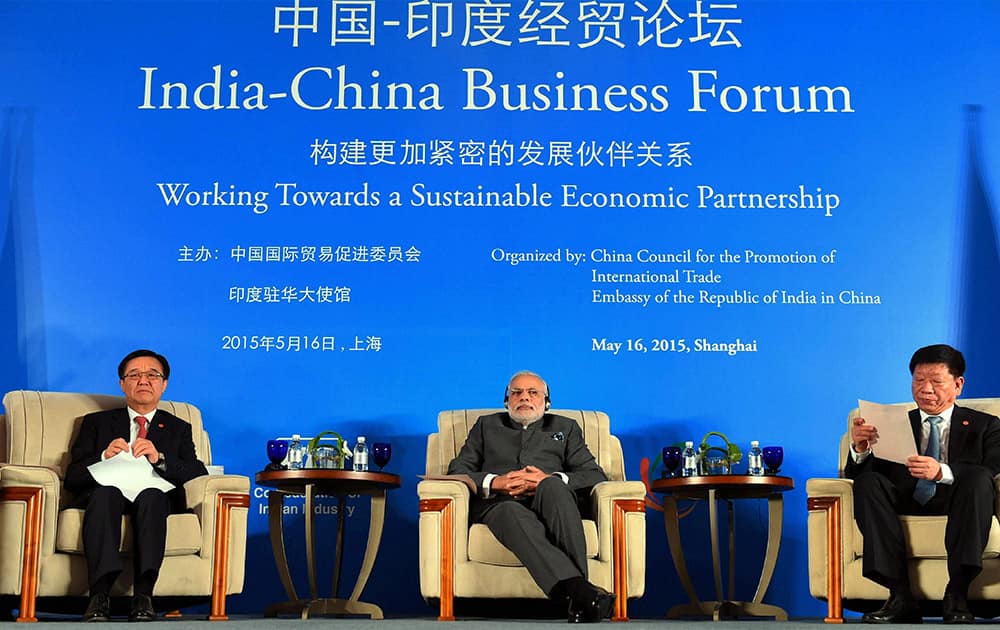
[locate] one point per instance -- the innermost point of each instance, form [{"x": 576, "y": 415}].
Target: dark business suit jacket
[
  {"x": 498, "y": 444},
  {"x": 974, "y": 439},
  {"x": 170, "y": 435},
  {"x": 973, "y": 443}
]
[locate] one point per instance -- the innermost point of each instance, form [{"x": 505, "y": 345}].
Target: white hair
[{"x": 528, "y": 373}]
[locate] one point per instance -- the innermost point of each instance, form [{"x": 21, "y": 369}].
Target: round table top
[
  {"x": 328, "y": 480},
  {"x": 725, "y": 486}
]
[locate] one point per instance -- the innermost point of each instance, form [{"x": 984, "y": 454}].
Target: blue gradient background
[{"x": 89, "y": 265}]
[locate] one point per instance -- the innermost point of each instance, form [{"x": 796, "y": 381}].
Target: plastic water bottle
[
  {"x": 296, "y": 452},
  {"x": 361, "y": 455},
  {"x": 690, "y": 466},
  {"x": 755, "y": 460}
]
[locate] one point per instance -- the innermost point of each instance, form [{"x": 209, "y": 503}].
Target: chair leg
[
  {"x": 446, "y": 611},
  {"x": 32, "y": 497},
  {"x": 224, "y": 505},
  {"x": 619, "y": 539},
  {"x": 834, "y": 555}
]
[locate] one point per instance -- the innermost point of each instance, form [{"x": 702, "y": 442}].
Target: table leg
[
  {"x": 757, "y": 608},
  {"x": 352, "y": 606},
  {"x": 723, "y": 608},
  {"x": 310, "y": 517},
  {"x": 775, "y": 505},
  {"x": 713, "y": 525},
  {"x": 371, "y": 548},
  {"x": 671, "y": 523},
  {"x": 338, "y": 555},
  {"x": 732, "y": 549},
  {"x": 275, "y": 509}
]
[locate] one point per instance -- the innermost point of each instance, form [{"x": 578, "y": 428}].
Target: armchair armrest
[
  {"x": 603, "y": 497},
  {"x": 831, "y": 539},
  {"x": 203, "y": 489},
  {"x": 444, "y": 538},
  {"x": 434, "y": 496},
  {"x": 202, "y": 495},
  {"x": 37, "y": 487},
  {"x": 17, "y": 475},
  {"x": 843, "y": 491},
  {"x": 221, "y": 503},
  {"x": 619, "y": 508}
]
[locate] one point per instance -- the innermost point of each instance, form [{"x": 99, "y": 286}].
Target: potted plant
[
  {"x": 718, "y": 460},
  {"x": 328, "y": 455}
]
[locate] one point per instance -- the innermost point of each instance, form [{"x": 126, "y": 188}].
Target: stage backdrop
[{"x": 351, "y": 215}]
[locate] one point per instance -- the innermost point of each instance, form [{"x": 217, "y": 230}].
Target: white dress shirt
[{"x": 133, "y": 426}]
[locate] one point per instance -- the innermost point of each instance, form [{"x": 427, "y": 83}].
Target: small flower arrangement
[
  {"x": 730, "y": 454},
  {"x": 340, "y": 450}
]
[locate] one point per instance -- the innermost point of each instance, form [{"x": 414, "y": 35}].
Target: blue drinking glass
[
  {"x": 381, "y": 452},
  {"x": 276, "y": 452},
  {"x": 671, "y": 460},
  {"x": 773, "y": 456}
]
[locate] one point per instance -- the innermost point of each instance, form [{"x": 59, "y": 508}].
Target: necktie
[
  {"x": 925, "y": 487},
  {"x": 141, "y": 421}
]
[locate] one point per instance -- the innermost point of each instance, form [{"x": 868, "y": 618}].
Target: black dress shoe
[
  {"x": 897, "y": 609},
  {"x": 98, "y": 608},
  {"x": 575, "y": 616},
  {"x": 597, "y": 606},
  {"x": 142, "y": 609},
  {"x": 955, "y": 609}
]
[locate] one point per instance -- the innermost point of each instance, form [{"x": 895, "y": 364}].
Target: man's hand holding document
[{"x": 885, "y": 425}]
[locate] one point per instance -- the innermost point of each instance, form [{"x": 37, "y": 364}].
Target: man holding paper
[
  {"x": 953, "y": 475},
  {"x": 139, "y": 430}
]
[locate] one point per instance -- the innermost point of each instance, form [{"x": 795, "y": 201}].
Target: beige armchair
[
  {"x": 835, "y": 545},
  {"x": 41, "y": 546},
  {"x": 457, "y": 560}
]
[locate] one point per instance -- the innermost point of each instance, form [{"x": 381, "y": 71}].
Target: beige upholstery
[
  {"x": 39, "y": 429},
  {"x": 459, "y": 561},
  {"x": 925, "y": 541}
]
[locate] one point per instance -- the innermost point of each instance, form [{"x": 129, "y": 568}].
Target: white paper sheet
[
  {"x": 895, "y": 434},
  {"x": 129, "y": 474}
]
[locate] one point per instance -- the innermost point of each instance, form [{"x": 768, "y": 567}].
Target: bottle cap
[
  {"x": 296, "y": 436},
  {"x": 754, "y": 443},
  {"x": 689, "y": 444},
  {"x": 361, "y": 439}
]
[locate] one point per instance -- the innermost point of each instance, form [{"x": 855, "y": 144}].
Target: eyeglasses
[
  {"x": 152, "y": 376},
  {"x": 532, "y": 393}
]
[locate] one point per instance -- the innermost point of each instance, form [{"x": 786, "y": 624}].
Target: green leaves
[
  {"x": 314, "y": 443},
  {"x": 733, "y": 452}
]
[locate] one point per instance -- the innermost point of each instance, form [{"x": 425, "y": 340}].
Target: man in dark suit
[
  {"x": 953, "y": 477},
  {"x": 529, "y": 467},
  {"x": 145, "y": 431}
]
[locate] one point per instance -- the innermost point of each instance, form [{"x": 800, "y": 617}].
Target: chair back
[
  {"x": 40, "y": 426},
  {"x": 454, "y": 427},
  {"x": 986, "y": 405}
]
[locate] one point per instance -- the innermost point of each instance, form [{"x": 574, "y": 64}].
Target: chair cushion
[
  {"x": 183, "y": 533},
  {"x": 925, "y": 537},
  {"x": 485, "y": 548}
]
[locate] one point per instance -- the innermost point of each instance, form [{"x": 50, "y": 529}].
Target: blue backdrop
[{"x": 314, "y": 209}]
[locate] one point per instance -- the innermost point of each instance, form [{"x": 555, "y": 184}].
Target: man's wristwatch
[{"x": 161, "y": 464}]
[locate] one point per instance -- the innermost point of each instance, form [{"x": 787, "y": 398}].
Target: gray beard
[{"x": 525, "y": 420}]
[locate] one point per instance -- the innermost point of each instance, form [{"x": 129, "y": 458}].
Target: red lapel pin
[
  {"x": 161, "y": 424},
  {"x": 965, "y": 423}
]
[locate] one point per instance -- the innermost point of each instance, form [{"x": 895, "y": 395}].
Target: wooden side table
[
  {"x": 729, "y": 488},
  {"x": 310, "y": 482}
]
